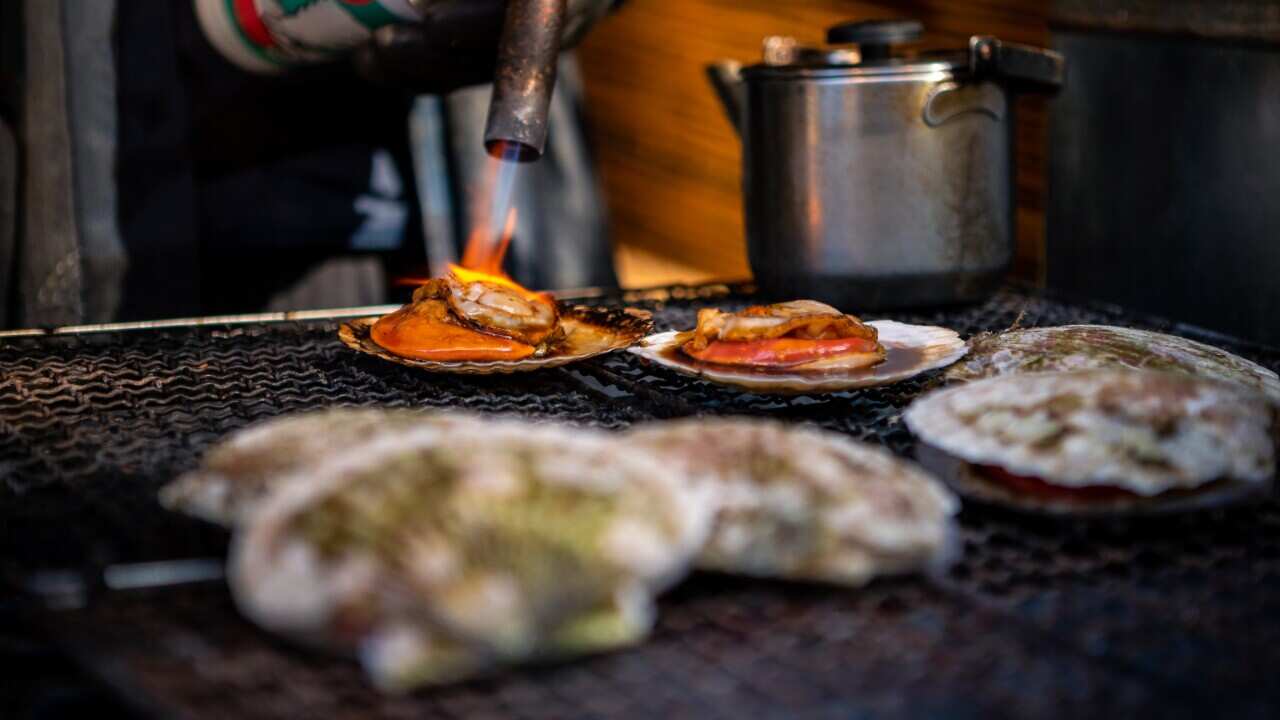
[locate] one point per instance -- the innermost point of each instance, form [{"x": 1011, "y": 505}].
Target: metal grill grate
[{"x": 1053, "y": 618}]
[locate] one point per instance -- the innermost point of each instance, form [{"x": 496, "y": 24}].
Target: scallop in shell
[
  {"x": 1083, "y": 347},
  {"x": 589, "y": 331},
  {"x": 433, "y": 558},
  {"x": 806, "y": 504},
  {"x": 910, "y": 350},
  {"x": 1098, "y": 441}
]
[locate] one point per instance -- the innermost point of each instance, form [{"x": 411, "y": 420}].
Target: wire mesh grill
[{"x": 1044, "y": 617}]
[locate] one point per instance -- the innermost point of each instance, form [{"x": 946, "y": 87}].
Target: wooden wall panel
[{"x": 669, "y": 158}]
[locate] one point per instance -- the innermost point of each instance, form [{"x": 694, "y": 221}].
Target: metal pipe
[{"x": 524, "y": 78}]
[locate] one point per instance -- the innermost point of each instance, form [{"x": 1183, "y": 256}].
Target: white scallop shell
[
  {"x": 478, "y": 574},
  {"x": 239, "y": 472},
  {"x": 805, "y": 504},
  {"x": 1143, "y": 431},
  {"x": 969, "y": 483},
  {"x": 1088, "y": 347},
  {"x": 934, "y": 347}
]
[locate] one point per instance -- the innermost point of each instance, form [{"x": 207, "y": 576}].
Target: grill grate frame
[{"x": 1044, "y": 617}]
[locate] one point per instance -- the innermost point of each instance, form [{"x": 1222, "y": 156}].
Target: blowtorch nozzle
[{"x": 524, "y": 78}]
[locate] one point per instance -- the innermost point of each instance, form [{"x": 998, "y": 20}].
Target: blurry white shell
[
  {"x": 434, "y": 557},
  {"x": 801, "y": 503},
  {"x": 589, "y": 331},
  {"x": 972, "y": 484},
  {"x": 237, "y": 473},
  {"x": 1088, "y": 347},
  {"x": 1142, "y": 431},
  {"x": 910, "y": 350}
]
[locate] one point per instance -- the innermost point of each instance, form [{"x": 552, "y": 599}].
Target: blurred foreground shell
[
  {"x": 911, "y": 350},
  {"x": 1158, "y": 436},
  {"x": 806, "y": 504},
  {"x": 442, "y": 557},
  {"x": 1087, "y": 347},
  {"x": 238, "y": 473},
  {"x": 589, "y": 331}
]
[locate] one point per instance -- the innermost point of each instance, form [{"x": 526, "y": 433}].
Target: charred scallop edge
[
  {"x": 627, "y": 327},
  {"x": 623, "y": 321}
]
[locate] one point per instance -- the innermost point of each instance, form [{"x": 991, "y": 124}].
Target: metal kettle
[{"x": 875, "y": 180}]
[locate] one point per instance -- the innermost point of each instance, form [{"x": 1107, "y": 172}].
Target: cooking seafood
[
  {"x": 1097, "y": 441},
  {"x": 805, "y": 504},
  {"x": 1083, "y": 347},
  {"x": 480, "y": 319},
  {"x": 237, "y": 474},
  {"x": 801, "y": 346},
  {"x": 433, "y": 558},
  {"x": 801, "y": 334},
  {"x": 469, "y": 322}
]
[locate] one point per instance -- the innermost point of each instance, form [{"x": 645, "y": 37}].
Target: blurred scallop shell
[
  {"x": 589, "y": 331},
  {"x": 1086, "y": 347},
  {"x": 971, "y": 484},
  {"x": 435, "y": 557},
  {"x": 236, "y": 474},
  {"x": 1158, "y": 435},
  {"x": 910, "y": 350},
  {"x": 805, "y": 504}
]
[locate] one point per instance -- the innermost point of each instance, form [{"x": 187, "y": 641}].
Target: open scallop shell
[
  {"x": 910, "y": 350},
  {"x": 589, "y": 331},
  {"x": 801, "y": 503},
  {"x": 1176, "y": 442},
  {"x": 1085, "y": 347},
  {"x": 973, "y": 486}
]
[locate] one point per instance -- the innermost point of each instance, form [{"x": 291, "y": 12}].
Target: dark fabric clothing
[{"x": 232, "y": 185}]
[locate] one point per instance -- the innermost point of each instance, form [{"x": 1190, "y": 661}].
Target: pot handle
[{"x": 1022, "y": 66}]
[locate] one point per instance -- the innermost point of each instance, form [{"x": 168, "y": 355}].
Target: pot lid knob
[{"x": 874, "y": 37}]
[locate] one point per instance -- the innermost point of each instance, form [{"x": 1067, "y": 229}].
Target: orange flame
[
  {"x": 468, "y": 276},
  {"x": 483, "y": 256},
  {"x": 482, "y": 261}
]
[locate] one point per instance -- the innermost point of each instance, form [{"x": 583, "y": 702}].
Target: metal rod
[
  {"x": 524, "y": 78},
  {"x": 585, "y": 293}
]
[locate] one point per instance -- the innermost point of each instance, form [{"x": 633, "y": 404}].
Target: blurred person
[{"x": 147, "y": 171}]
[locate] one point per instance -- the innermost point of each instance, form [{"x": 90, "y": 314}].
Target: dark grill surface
[{"x": 1045, "y": 618}]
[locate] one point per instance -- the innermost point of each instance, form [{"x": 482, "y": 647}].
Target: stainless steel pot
[{"x": 872, "y": 180}]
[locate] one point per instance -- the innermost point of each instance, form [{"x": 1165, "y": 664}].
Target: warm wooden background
[{"x": 669, "y": 158}]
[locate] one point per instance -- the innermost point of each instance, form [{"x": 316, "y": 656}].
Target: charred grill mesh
[{"x": 1038, "y": 617}]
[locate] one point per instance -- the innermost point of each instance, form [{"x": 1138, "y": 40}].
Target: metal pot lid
[{"x": 871, "y": 48}]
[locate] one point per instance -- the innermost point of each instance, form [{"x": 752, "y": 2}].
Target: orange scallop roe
[{"x": 416, "y": 336}]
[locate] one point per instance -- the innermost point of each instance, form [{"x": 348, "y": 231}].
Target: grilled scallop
[
  {"x": 804, "y": 504},
  {"x": 1098, "y": 441},
  {"x": 479, "y": 324},
  {"x": 801, "y": 346},
  {"x": 433, "y": 558},
  {"x": 474, "y": 320},
  {"x": 498, "y": 308},
  {"x": 1086, "y": 347},
  {"x": 810, "y": 326}
]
